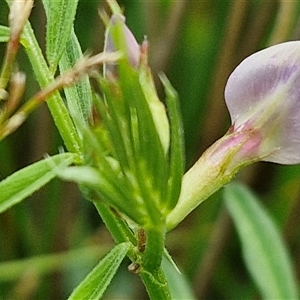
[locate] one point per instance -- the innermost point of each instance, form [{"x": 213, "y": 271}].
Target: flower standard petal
[{"x": 263, "y": 92}]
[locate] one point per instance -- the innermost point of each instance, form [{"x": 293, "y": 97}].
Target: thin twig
[
  {"x": 81, "y": 68},
  {"x": 18, "y": 16}
]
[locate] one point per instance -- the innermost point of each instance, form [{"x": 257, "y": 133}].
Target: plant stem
[
  {"x": 152, "y": 256},
  {"x": 156, "y": 285},
  {"x": 150, "y": 271}
]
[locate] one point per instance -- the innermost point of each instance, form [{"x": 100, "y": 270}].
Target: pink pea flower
[{"x": 263, "y": 97}]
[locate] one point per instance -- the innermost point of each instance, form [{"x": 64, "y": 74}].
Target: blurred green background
[{"x": 197, "y": 44}]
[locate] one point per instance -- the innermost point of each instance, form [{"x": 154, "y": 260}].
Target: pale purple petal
[
  {"x": 263, "y": 92},
  {"x": 132, "y": 46}
]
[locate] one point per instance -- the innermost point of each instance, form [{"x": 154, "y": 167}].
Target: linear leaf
[
  {"x": 176, "y": 144},
  {"x": 95, "y": 284},
  {"x": 178, "y": 284},
  {"x": 264, "y": 252},
  {"x": 26, "y": 181},
  {"x": 89, "y": 177},
  {"x": 79, "y": 96},
  {"x": 60, "y": 18},
  {"x": 116, "y": 225},
  {"x": 55, "y": 103}
]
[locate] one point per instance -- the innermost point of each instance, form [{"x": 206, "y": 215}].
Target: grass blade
[{"x": 264, "y": 252}]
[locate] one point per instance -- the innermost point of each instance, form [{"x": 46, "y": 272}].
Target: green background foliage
[{"x": 197, "y": 44}]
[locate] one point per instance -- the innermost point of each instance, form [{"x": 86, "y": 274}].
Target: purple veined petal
[{"x": 263, "y": 92}]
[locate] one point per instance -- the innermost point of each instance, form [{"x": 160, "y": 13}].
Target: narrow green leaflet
[
  {"x": 176, "y": 144},
  {"x": 96, "y": 282},
  {"x": 79, "y": 97},
  {"x": 117, "y": 226},
  {"x": 264, "y": 252},
  {"x": 89, "y": 177},
  {"x": 155, "y": 168},
  {"x": 24, "y": 182},
  {"x": 55, "y": 103},
  {"x": 60, "y": 18},
  {"x": 4, "y": 34}
]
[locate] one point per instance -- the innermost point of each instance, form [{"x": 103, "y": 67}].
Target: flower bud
[
  {"x": 138, "y": 58},
  {"x": 131, "y": 45}
]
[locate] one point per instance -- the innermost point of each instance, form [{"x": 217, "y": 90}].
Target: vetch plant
[{"x": 125, "y": 147}]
